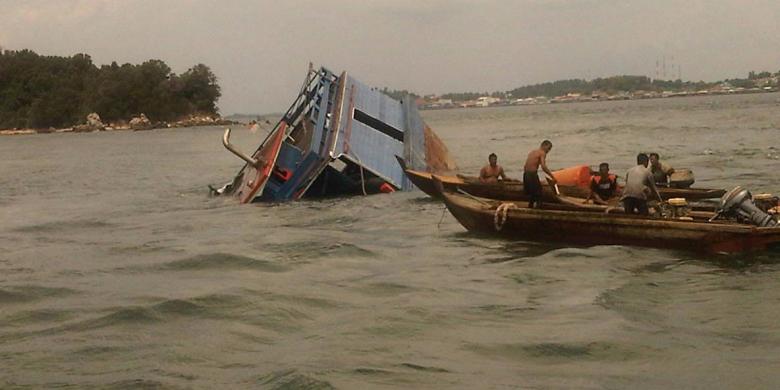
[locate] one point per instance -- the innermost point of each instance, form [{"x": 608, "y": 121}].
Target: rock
[
  {"x": 93, "y": 124},
  {"x": 93, "y": 120},
  {"x": 17, "y": 132},
  {"x": 140, "y": 122},
  {"x": 195, "y": 120}
]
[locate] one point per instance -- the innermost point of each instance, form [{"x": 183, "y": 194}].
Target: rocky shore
[{"x": 137, "y": 123}]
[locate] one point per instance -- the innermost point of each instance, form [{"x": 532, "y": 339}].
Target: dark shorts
[
  {"x": 531, "y": 185},
  {"x": 635, "y": 206}
]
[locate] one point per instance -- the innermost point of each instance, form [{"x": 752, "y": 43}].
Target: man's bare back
[
  {"x": 538, "y": 158},
  {"x": 534, "y": 160}
]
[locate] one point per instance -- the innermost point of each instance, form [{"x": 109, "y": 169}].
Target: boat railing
[{"x": 302, "y": 101}]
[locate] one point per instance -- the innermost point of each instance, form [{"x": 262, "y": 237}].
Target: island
[{"x": 45, "y": 94}]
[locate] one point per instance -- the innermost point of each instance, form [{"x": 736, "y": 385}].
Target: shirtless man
[
  {"x": 492, "y": 172},
  {"x": 531, "y": 184}
]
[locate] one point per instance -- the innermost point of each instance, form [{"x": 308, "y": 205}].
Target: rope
[
  {"x": 362, "y": 180},
  {"x": 499, "y": 218},
  {"x": 460, "y": 191},
  {"x": 444, "y": 210}
]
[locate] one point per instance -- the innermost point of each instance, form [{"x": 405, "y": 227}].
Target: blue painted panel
[
  {"x": 374, "y": 149},
  {"x": 321, "y": 113},
  {"x": 376, "y": 152},
  {"x": 301, "y": 177},
  {"x": 289, "y": 156},
  {"x": 373, "y": 102}
]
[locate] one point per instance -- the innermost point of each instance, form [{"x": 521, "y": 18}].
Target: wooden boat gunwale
[{"x": 513, "y": 189}]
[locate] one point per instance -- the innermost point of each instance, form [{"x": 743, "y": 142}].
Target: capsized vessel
[{"x": 339, "y": 137}]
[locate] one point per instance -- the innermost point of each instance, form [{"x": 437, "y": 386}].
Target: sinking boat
[
  {"x": 738, "y": 225},
  {"x": 339, "y": 137}
]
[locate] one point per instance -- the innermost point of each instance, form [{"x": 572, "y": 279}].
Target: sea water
[{"x": 117, "y": 270}]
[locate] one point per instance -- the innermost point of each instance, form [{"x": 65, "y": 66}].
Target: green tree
[
  {"x": 399, "y": 94},
  {"x": 199, "y": 87},
  {"x": 49, "y": 91}
]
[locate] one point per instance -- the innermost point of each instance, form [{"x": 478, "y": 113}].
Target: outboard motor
[
  {"x": 765, "y": 202},
  {"x": 738, "y": 203}
]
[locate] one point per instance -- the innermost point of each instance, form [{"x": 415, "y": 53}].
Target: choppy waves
[{"x": 119, "y": 282}]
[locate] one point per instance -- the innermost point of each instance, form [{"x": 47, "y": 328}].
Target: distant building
[
  {"x": 484, "y": 101},
  {"x": 432, "y": 102},
  {"x": 766, "y": 82}
]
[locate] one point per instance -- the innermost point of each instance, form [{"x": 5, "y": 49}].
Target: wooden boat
[
  {"x": 513, "y": 189},
  {"x": 503, "y": 190},
  {"x": 599, "y": 225}
]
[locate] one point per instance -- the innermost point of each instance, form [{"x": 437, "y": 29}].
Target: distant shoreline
[
  {"x": 124, "y": 127},
  {"x": 576, "y": 98},
  {"x": 227, "y": 122}
]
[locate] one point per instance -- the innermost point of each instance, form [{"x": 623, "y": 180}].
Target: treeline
[
  {"x": 49, "y": 91},
  {"x": 464, "y": 96},
  {"x": 609, "y": 85},
  {"x": 398, "y": 94}
]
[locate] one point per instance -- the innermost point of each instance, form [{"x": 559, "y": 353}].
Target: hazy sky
[{"x": 260, "y": 49}]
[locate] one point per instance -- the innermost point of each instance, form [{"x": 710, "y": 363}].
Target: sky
[{"x": 260, "y": 50}]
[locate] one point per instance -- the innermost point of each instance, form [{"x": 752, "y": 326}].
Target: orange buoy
[
  {"x": 578, "y": 175},
  {"x": 386, "y": 188}
]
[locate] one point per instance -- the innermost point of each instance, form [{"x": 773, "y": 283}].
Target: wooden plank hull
[
  {"x": 598, "y": 228},
  {"x": 505, "y": 190},
  {"x": 424, "y": 180},
  {"x": 513, "y": 189}
]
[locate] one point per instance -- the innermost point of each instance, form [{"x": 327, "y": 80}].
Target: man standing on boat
[
  {"x": 531, "y": 184},
  {"x": 639, "y": 181},
  {"x": 602, "y": 186},
  {"x": 661, "y": 172},
  {"x": 492, "y": 172}
]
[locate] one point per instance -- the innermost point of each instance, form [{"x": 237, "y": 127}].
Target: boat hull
[
  {"x": 513, "y": 189},
  {"x": 594, "y": 228}
]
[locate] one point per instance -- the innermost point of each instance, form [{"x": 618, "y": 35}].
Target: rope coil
[{"x": 499, "y": 218}]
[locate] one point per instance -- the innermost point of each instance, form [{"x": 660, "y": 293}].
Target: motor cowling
[
  {"x": 765, "y": 202},
  {"x": 681, "y": 178},
  {"x": 738, "y": 204},
  {"x": 679, "y": 207}
]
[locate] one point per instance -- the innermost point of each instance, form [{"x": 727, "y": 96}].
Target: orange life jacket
[
  {"x": 597, "y": 178},
  {"x": 603, "y": 187}
]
